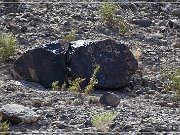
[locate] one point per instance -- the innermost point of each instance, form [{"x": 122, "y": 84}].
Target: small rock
[
  {"x": 60, "y": 124},
  {"x": 16, "y": 113},
  {"x": 139, "y": 91},
  {"x": 110, "y": 99},
  {"x": 151, "y": 91},
  {"x": 43, "y": 122},
  {"x": 143, "y": 22},
  {"x": 174, "y": 23},
  {"x": 177, "y": 43},
  {"x": 77, "y": 102},
  {"x": 24, "y": 29},
  {"x": 146, "y": 129},
  {"x": 176, "y": 12},
  {"x": 156, "y": 35}
]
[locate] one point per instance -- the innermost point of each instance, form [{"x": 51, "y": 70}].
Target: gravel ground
[{"x": 144, "y": 106}]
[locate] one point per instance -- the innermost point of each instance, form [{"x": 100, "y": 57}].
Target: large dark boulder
[
  {"x": 59, "y": 61},
  {"x": 115, "y": 59},
  {"x": 42, "y": 64}
]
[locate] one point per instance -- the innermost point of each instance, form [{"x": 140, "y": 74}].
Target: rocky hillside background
[{"x": 144, "y": 106}]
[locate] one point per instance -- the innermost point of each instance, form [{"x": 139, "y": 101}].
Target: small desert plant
[
  {"x": 103, "y": 120},
  {"x": 69, "y": 37},
  {"x": 4, "y": 126},
  {"x": 8, "y": 45},
  {"x": 122, "y": 24},
  {"x": 74, "y": 85},
  {"x": 107, "y": 12},
  {"x": 63, "y": 86},
  {"x": 93, "y": 81},
  {"x": 173, "y": 81},
  {"x": 55, "y": 85},
  {"x": 108, "y": 16}
]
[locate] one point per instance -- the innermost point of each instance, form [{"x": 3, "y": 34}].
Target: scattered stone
[
  {"x": 174, "y": 23},
  {"x": 60, "y": 124},
  {"x": 109, "y": 99},
  {"x": 143, "y": 22},
  {"x": 16, "y": 113},
  {"x": 176, "y": 12},
  {"x": 150, "y": 91},
  {"x": 176, "y": 44},
  {"x": 24, "y": 29},
  {"x": 156, "y": 35}
]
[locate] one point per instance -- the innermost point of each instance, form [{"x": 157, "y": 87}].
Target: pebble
[{"x": 109, "y": 99}]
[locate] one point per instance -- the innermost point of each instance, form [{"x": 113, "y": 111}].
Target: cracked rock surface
[{"x": 53, "y": 62}]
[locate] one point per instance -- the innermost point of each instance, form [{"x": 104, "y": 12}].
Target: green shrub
[
  {"x": 8, "y": 45},
  {"x": 4, "y": 126},
  {"x": 75, "y": 85},
  {"x": 107, "y": 13},
  {"x": 63, "y": 86},
  {"x": 93, "y": 81},
  {"x": 173, "y": 81},
  {"x": 108, "y": 16},
  {"x": 55, "y": 85},
  {"x": 69, "y": 37},
  {"x": 103, "y": 120}
]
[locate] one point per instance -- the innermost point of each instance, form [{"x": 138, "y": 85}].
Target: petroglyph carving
[
  {"x": 117, "y": 53},
  {"x": 109, "y": 60},
  {"x": 109, "y": 48},
  {"x": 102, "y": 46}
]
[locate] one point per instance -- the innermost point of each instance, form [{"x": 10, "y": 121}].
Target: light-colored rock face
[{"x": 22, "y": 113}]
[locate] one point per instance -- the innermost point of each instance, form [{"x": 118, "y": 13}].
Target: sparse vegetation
[
  {"x": 173, "y": 81},
  {"x": 75, "y": 85},
  {"x": 55, "y": 85},
  {"x": 8, "y": 45},
  {"x": 69, "y": 37},
  {"x": 103, "y": 120},
  {"x": 63, "y": 86},
  {"x": 93, "y": 81},
  {"x": 4, "y": 126},
  {"x": 108, "y": 13}
]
